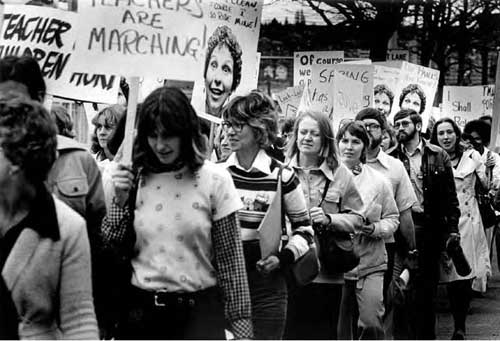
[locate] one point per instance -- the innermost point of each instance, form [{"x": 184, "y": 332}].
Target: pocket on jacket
[
  {"x": 73, "y": 191},
  {"x": 331, "y": 203}
]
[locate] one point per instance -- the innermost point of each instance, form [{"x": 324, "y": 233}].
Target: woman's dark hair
[
  {"x": 482, "y": 128},
  {"x": 167, "y": 111},
  {"x": 63, "y": 120},
  {"x": 356, "y": 129},
  {"x": 258, "y": 111},
  {"x": 24, "y": 70},
  {"x": 328, "y": 149},
  {"x": 456, "y": 129},
  {"x": 224, "y": 36},
  {"x": 111, "y": 115},
  {"x": 384, "y": 89},
  {"x": 28, "y": 137},
  {"x": 410, "y": 88}
]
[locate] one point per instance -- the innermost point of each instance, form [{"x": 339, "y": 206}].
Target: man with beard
[
  {"x": 435, "y": 215},
  {"x": 401, "y": 246}
]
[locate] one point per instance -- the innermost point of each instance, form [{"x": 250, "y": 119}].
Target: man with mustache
[
  {"x": 402, "y": 245},
  {"x": 435, "y": 215}
]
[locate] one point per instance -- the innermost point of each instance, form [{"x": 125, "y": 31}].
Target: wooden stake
[
  {"x": 128, "y": 140},
  {"x": 495, "y": 124}
]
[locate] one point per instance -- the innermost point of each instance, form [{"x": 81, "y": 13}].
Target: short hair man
[
  {"x": 402, "y": 245},
  {"x": 435, "y": 215}
]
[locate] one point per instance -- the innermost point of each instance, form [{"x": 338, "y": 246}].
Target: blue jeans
[{"x": 269, "y": 296}]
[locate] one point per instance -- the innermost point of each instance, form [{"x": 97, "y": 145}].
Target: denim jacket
[{"x": 441, "y": 207}]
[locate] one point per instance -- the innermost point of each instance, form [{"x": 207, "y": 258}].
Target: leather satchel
[
  {"x": 305, "y": 269},
  {"x": 336, "y": 249}
]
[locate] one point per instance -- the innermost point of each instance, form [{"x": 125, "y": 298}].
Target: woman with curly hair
[
  {"x": 46, "y": 282},
  {"x": 222, "y": 68},
  {"x": 251, "y": 124}
]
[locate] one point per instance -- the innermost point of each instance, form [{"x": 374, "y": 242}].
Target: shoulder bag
[
  {"x": 486, "y": 210},
  {"x": 336, "y": 249}
]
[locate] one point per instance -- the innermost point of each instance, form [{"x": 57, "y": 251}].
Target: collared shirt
[
  {"x": 394, "y": 170},
  {"x": 261, "y": 163},
  {"x": 256, "y": 187},
  {"x": 313, "y": 181},
  {"x": 343, "y": 203},
  {"x": 416, "y": 176}
]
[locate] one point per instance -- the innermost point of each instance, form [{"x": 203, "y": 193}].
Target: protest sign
[
  {"x": 347, "y": 98},
  {"x": 466, "y": 103},
  {"x": 230, "y": 59},
  {"x": 416, "y": 90},
  {"x": 289, "y": 100},
  {"x": 398, "y": 54},
  {"x": 160, "y": 38},
  {"x": 321, "y": 89},
  {"x": 303, "y": 62},
  {"x": 48, "y": 35}
]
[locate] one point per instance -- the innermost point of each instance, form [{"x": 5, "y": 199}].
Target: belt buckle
[{"x": 157, "y": 293}]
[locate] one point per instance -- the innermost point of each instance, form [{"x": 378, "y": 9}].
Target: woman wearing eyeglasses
[
  {"x": 251, "y": 124},
  {"x": 334, "y": 203}
]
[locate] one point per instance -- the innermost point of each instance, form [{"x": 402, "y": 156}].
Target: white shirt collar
[
  {"x": 262, "y": 162},
  {"x": 381, "y": 158}
]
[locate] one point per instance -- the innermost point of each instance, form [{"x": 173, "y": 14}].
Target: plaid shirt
[{"x": 229, "y": 260}]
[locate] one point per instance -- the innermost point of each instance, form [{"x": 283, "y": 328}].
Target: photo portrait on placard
[
  {"x": 222, "y": 72},
  {"x": 383, "y": 99}
]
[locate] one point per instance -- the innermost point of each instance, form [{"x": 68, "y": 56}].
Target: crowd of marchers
[{"x": 168, "y": 245}]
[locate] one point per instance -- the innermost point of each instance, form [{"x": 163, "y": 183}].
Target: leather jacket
[{"x": 441, "y": 207}]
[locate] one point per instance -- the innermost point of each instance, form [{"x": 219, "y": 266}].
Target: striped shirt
[{"x": 257, "y": 187}]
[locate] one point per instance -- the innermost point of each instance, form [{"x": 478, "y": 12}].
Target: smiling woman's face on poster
[
  {"x": 219, "y": 78},
  {"x": 223, "y": 64}
]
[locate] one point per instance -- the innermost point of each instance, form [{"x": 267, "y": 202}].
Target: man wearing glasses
[
  {"x": 401, "y": 246},
  {"x": 435, "y": 215}
]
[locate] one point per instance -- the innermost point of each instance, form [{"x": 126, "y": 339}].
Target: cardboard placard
[
  {"x": 304, "y": 61},
  {"x": 426, "y": 79},
  {"x": 466, "y": 103},
  {"x": 49, "y": 35},
  {"x": 289, "y": 100}
]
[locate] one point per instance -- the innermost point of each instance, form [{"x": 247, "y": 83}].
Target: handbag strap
[{"x": 325, "y": 190}]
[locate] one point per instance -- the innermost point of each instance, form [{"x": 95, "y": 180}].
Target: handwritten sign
[
  {"x": 48, "y": 35},
  {"x": 466, "y": 103},
  {"x": 160, "y": 38},
  {"x": 303, "y": 62},
  {"x": 322, "y": 85},
  {"x": 347, "y": 98},
  {"x": 289, "y": 100},
  {"x": 398, "y": 54},
  {"x": 427, "y": 80}
]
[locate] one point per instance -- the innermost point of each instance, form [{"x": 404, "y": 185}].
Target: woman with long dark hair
[
  {"x": 467, "y": 170},
  {"x": 174, "y": 218}
]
